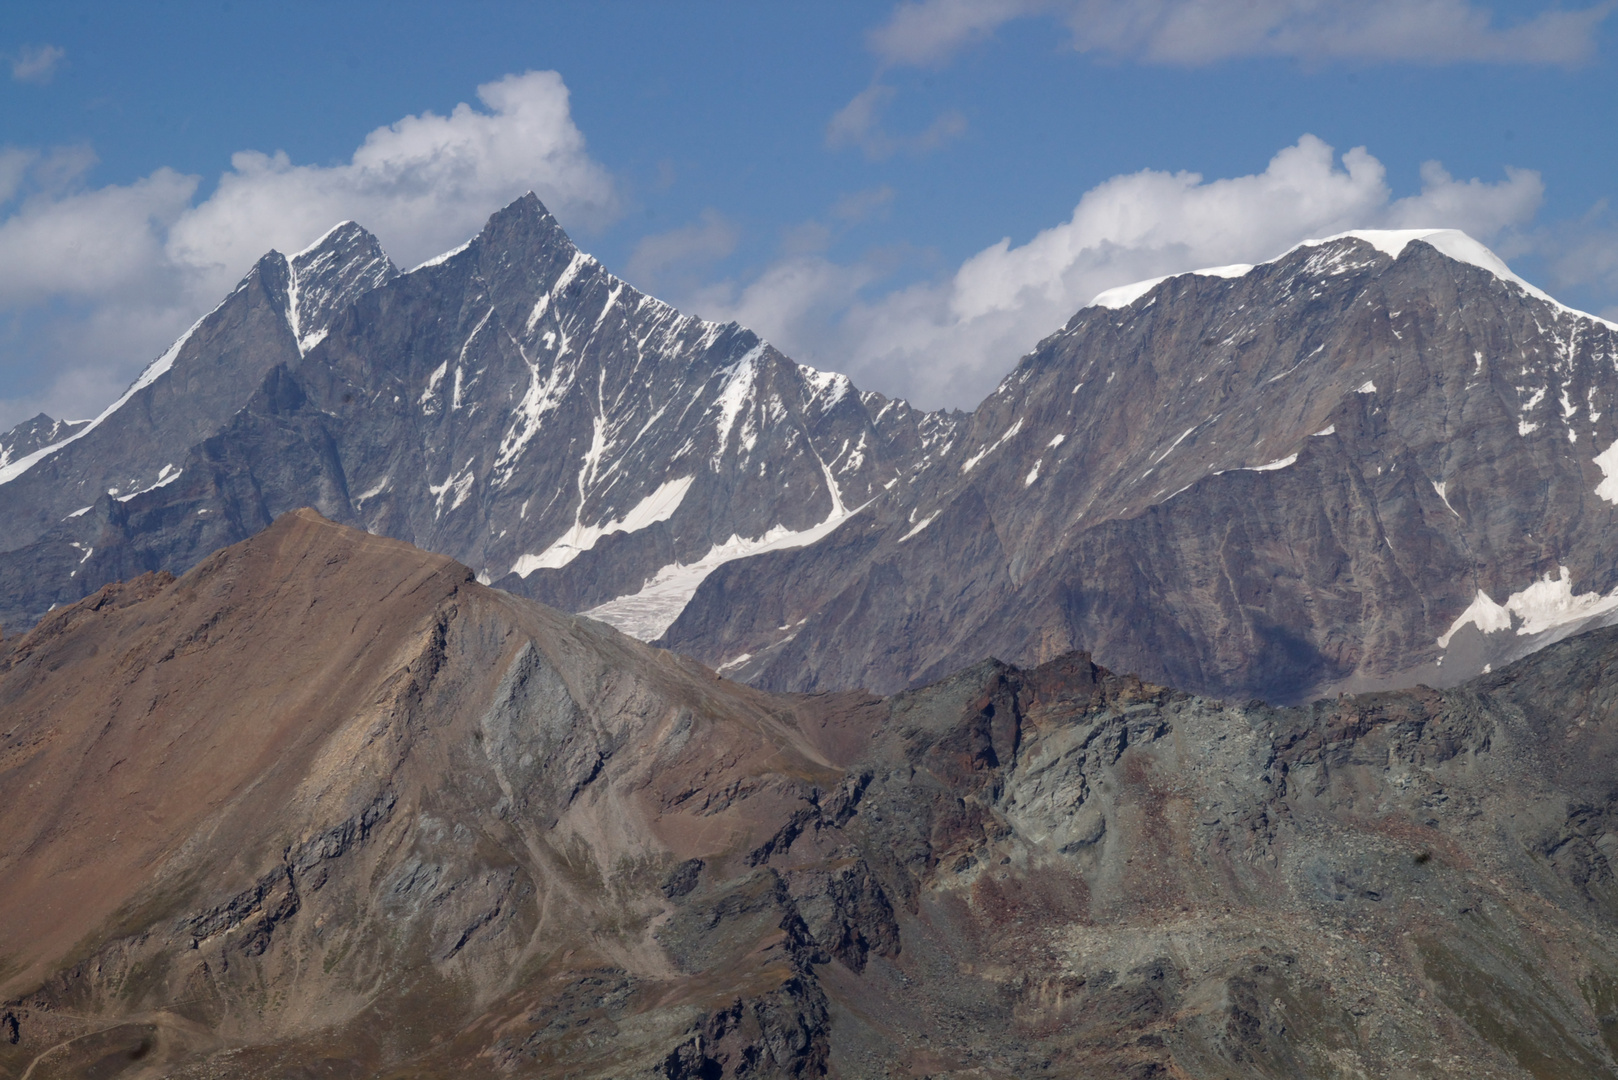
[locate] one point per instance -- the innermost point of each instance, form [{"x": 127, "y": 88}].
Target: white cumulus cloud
[
  {"x": 947, "y": 342},
  {"x": 422, "y": 184},
  {"x": 133, "y": 264}
]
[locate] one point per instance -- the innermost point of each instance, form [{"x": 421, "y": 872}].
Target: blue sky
[{"x": 911, "y": 193}]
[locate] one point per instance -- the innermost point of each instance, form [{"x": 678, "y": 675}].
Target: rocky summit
[
  {"x": 1378, "y": 460},
  {"x": 35, "y": 434},
  {"x": 326, "y": 806}
]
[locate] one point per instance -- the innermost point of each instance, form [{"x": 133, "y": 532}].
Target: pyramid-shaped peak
[
  {"x": 33, "y": 433},
  {"x": 38, "y": 420},
  {"x": 523, "y": 223},
  {"x": 526, "y": 203},
  {"x": 523, "y": 227},
  {"x": 344, "y": 244},
  {"x": 341, "y": 235},
  {"x": 330, "y": 274}
]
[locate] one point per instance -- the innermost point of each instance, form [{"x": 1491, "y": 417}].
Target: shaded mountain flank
[
  {"x": 327, "y": 807},
  {"x": 1377, "y": 460}
]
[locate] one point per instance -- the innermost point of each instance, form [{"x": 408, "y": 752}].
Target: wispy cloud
[
  {"x": 859, "y": 124},
  {"x": 14, "y": 165},
  {"x": 1195, "y": 32},
  {"x": 36, "y": 63},
  {"x": 1582, "y": 253},
  {"x": 861, "y": 205},
  {"x": 671, "y": 258},
  {"x": 134, "y": 263},
  {"x": 924, "y": 32}
]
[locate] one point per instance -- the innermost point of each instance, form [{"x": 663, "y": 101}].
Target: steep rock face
[
  {"x": 1277, "y": 480},
  {"x": 141, "y": 441},
  {"x": 326, "y": 806},
  {"x": 510, "y": 403}
]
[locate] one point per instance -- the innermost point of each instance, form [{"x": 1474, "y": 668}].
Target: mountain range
[
  {"x": 1231, "y": 693},
  {"x": 1376, "y": 460}
]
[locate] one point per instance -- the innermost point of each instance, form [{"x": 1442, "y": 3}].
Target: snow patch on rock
[
  {"x": 738, "y": 389},
  {"x": 1545, "y": 604},
  {"x": 1607, "y": 462},
  {"x": 1122, "y": 296},
  {"x": 167, "y": 476},
  {"x": 920, "y": 525},
  {"x": 972, "y": 461},
  {"x": 651, "y": 611},
  {"x": 658, "y": 506},
  {"x": 441, "y": 258}
]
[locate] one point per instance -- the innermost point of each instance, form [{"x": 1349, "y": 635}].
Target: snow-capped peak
[
  {"x": 323, "y": 238},
  {"x": 1453, "y": 243},
  {"x": 1122, "y": 296}
]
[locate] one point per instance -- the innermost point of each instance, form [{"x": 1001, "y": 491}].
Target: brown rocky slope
[{"x": 325, "y": 806}]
